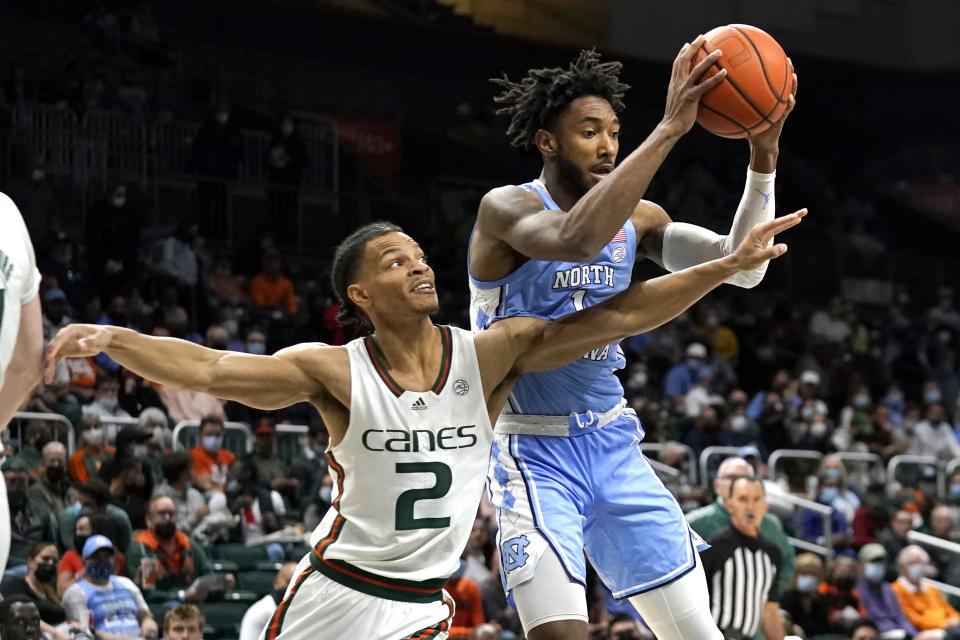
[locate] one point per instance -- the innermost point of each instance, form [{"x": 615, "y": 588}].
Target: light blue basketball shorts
[{"x": 593, "y": 492}]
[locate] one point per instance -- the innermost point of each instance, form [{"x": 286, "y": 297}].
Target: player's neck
[
  {"x": 556, "y": 187},
  {"x": 412, "y": 347}
]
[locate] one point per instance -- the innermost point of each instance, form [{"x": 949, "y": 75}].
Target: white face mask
[
  {"x": 109, "y": 402},
  {"x": 94, "y": 436},
  {"x": 917, "y": 570}
]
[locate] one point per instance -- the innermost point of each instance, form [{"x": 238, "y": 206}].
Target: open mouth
[
  {"x": 424, "y": 287},
  {"x": 601, "y": 171}
]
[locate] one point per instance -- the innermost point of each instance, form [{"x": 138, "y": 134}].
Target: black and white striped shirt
[{"x": 742, "y": 577}]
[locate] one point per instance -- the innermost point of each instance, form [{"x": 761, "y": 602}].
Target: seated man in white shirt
[{"x": 258, "y": 616}]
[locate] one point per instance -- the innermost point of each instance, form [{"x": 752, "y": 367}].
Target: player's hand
[
  {"x": 756, "y": 248},
  {"x": 684, "y": 92},
  {"x": 769, "y": 139},
  {"x": 75, "y": 341}
]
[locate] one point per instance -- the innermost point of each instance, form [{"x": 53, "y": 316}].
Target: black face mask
[
  {"x": 165, "y": 530},
  {"x": 78, "y": 542},
  {"x": 46, "y": 572},
  {"x": 17, "y": 497},
  {"x": 54, "y": 474},
  {"x": 844, "y": 582}
]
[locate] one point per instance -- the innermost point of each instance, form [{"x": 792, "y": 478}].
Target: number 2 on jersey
[
  {"x": 405, "y": 520},
  {"x": 577, "y": 297}
]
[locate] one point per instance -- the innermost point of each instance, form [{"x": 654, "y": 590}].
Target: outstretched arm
[
  {"x": 23, "y": 372},
  {"x": 509, "y": 215},
  {"x": 263, "y": 382},
  {"x": 541, "y": 346}
]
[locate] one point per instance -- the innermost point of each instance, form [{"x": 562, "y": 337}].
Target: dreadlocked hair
[
  {"x": 535, "y": 101},
  {"x": 346, "y": 263}
]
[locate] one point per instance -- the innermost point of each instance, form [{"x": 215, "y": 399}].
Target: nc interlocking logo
[{"x": 513, "y": 554}]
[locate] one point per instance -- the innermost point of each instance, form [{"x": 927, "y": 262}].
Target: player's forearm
[
  {"x": 26, "y": 363},
  {"x": 167, "y": 361},
  {"x": 607, "y": 206},
  {"x": 685, "y": 245}
]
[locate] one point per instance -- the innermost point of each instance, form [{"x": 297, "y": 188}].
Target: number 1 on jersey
[{"x": 577, "y": 297}]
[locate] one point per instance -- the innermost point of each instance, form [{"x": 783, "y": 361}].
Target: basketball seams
[
  {"x": 763, "y": 67},
  {"x": 746, "y": 98},
  {"x": 744, "y": 129}
]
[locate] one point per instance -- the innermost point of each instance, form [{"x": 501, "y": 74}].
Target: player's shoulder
[
  {"x": 648, "y": 215},
  {"x": 310, "y": 355},
  {"x": 508, "y": 200},
  {"x": 10, "y": 216}
]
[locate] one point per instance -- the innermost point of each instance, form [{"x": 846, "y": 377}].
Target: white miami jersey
[
  {"x": 408, "y": 475},
  {"x": 19, "y": 278}
]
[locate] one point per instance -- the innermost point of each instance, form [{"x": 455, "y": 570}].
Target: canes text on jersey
[{"x": 402, "y": 441}]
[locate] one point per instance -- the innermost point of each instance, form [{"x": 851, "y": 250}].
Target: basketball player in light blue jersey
[{"x": 566, "y": 473}]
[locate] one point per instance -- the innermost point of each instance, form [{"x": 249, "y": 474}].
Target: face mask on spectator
[
  {"x": 108, "y": 402},
  {"x": 955, "y": 491},
  {"x": 38, "y": 175},
  {"x": 100, "y": 570},
  {"x": 17, "y": 497},
  {"x": 844, "y": 582},
  {"x": 118, "y": 201},
  {"x": 46, "y": 571},
  {"x": 861, "y": 400},
  {"x": 257, "y": 348},
  {"x": 325, "y": 494},
  {"x": 828, "y": 494},
  {"x": 917, "y": 570},
  {"x": 212, "y": 443},
  {"x": 233, "y": 486},
  {"x": 139, "y": 451},
  {"x": 806, "y": 413},
  {"x": 818, "y": 428},
  {"x": 806, "y": 584},
  {"x": 932, "y": 396},
  {"x": 832, "y": 474},
  {"x": 94, "y": 436},
  {"x": 165, "y": 530},
  {"x": 739, "y": 424},
  {"x": 54, "y": 474},
  {"x": 874, "y": 571}
]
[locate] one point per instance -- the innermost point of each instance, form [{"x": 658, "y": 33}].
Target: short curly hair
[{"x": 536, "y": 100}]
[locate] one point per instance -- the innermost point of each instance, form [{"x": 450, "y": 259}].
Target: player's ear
[
  {"x": 358, "y": 295},
  {"x": 546, "y": 142}
]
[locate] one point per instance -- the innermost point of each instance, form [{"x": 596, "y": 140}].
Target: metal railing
[
  {"x": 113, "y": 425},
  {"x": 660, "y": 446},
  {"x": 796, "y": 454},
  {"x": 236, "y": 429},
  {"x": 946, "y": 545},
  {"x": 825, "y": 512},
  {"x": 663, "y": 469},
  {"x": 708, "y": 453},
  {"x": 58, "y": 422},
  {"x": 872, "y": 460},
  {"x": 898, "y": 461}
]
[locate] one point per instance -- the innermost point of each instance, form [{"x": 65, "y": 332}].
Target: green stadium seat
[
  {"x": 295, "y": 552},
  {"x": 224, "y": 617},
  {"x": 246, "y": 558},
  {"x": 259, "y": 582}
]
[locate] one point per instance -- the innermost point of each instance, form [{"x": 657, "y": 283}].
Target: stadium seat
[
  {"x": 246, "y": 558},
  {"x": 295, "y": 552},
  {"x": 224, "y": 617},
  {"x": 258, "y": 582}
]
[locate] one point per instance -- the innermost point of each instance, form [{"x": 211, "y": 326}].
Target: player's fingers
[
  {"x": 689, "y": 50},
  {"x": 701, "y": 67},
  {"x": 775, "y": 251},
  {"x": 777, "y": 225},
  {"x": 50, "y": 360},
  {"x": 709, "y": 83}
]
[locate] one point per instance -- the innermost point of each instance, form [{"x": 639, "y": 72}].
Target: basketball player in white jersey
[
  {"x": 21, "y": 332},
  {"x": 409, "y": 410}
]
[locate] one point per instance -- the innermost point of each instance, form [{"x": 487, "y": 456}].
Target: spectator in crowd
[
  {"x": 35, "y": 437},
  {"x": 210, "y": 460},
  {"x": 953, "y": 497},
  {"x": 19, "y": 619},
  {"x": 177, "y": 321},
  {"x": 894, "y": 536},
  {"x": 682, "y": 377},
  {"x": 942, "y": 526},
  {"x": 469, "y": 605},
  {"x": 109, "y": 604},
  {"x": 923, "y": 604},
  {"x": 272, "y": 472},
  {"x": 261, "y": 510},
  {"x": 183, "y": 622},
  {"x": 54, "y": 304},
  {"x": 226, "y": 287},
  {"x": 728, "y": 574},
  {"x": 106, "y": 403},
  {"x": 216, "y": 155},
  {"x": 622, "y": 627},
  {"x": 30, "y": 522},
  {"x": 71, "y": 564},
  {"x": 846, "y": 501},
  {"x": 690, "y": 496},
  {"x": 876, "y": 597},
  {"x": 63, "y": 267},
  {"x": 38, "y": 586},
  {"x": 270, "y": 290},
  {"x": 864, "y": 629},
  {"x": 190, "y": 505},
  {"x": 168, "y": 558},
  {"x": 174, "y": 260},
  {"x": 803, "y": 600},
  {"x": 216, "y": 337},
  {"x": 709, "y": 520},
  {"x": 131, "y": 442},
  {"x": 872, "y": 515},
  {"x": 86, "y": 461},
  {"x": 285, "y": 161},
  {"x": 113, "y": 239},
  {"x": 33, "y": 192},
  {"x": 257, "y": 617},
  {"x": 125, "y": 489},
  {"x": 137, "y": 395},
  {"x": 155, "y": 422},
  {"x": 705, "y": 432},
  {"x": 52, "y": 488},
  {"x": 94, "y": 499},
  {"x": 840, "y": 593},
  {"x": 191, "y": 405},
  {"x": 880, "y": 437},
  {"x": 811, "y": 522},
  {"x": 933, "y": 436},
  {"x": 116, "y": 314}
]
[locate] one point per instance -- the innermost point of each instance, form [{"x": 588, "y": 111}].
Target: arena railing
[
  {"x": 663, "y": 469},
  {"x": 711, "y": 452},
  {"x": 113, "y": 426},
  {"x": 946, "y": 545},
  {"x": 58, "y": 422},
  {"x": 290, "y": 439},
  {"x": 905, "y": 459},
  {"x": 795, "y": 454},
  {"x": 950, "y": 469},
  {"x": 182, "y": 437},
  {"x": 872, "y": 460},
  {"x": 122, "y": 142},
  {"x": 825, "y": 512},
  {"x": 660, "y": 446}
]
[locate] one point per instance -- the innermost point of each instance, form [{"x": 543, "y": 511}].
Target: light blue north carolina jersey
[{"x": 551, "y": 289}]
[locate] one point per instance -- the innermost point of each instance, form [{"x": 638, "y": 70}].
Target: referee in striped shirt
[{"x": 741, "y": 567}]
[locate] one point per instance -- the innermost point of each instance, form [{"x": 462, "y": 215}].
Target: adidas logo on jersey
[{"x": 419, "y": 405}]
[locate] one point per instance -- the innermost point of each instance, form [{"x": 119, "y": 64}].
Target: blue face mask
[
  {"x": 257, "y": 348},
  {"x": 932, "y": 397},
  {"x": 212, "y": 443},
  {"x": 828, "y": 495},
  {"x": 874, "y": 571},
  {"x": 832, "y": 474},
  {"x": 917, "y": 570},
  {"x": 100, "y": 570},
  {"x": 861, "y": 400},
  {"x": 955, "y": 490},
  {"x": 806, "y": 584}
]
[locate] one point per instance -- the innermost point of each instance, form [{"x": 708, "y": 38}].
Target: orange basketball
[{"x": 759, "y": 80}]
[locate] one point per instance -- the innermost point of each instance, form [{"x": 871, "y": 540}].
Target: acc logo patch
[
  {"x": 460, "y": 387},
  {"x": 619, "y": 254}
]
